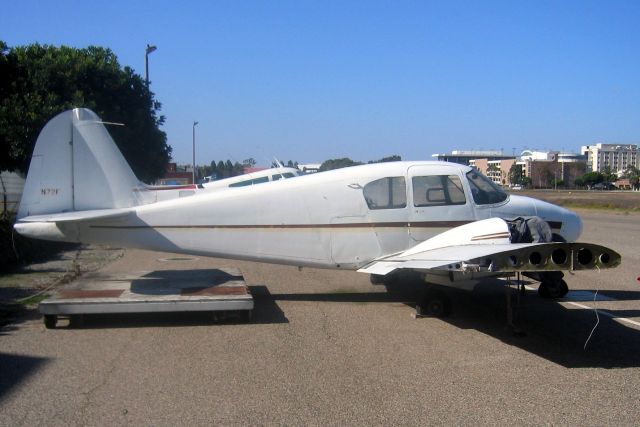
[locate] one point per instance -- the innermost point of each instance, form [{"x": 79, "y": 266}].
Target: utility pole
[
  {"x": 194, "y": 153},
  {"x": 150, "y": 48}
]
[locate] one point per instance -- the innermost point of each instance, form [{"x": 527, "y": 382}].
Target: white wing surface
[{"x": 484, "y": 246}]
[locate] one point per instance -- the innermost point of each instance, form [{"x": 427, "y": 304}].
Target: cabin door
[{"x": 436, "y": 200}]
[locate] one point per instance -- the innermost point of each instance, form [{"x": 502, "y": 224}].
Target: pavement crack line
[{"x": 112, "y": 366}]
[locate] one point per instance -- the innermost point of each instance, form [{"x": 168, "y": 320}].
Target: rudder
[{"x": 76, "y": 166}]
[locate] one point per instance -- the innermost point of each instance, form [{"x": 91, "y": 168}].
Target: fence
[{"x": 11, "y": 185}]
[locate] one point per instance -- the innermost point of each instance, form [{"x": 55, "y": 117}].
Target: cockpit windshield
[{"x": 483, "y": 190}]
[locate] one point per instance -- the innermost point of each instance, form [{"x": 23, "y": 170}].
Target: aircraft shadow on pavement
[
  {"x": 160, "y": 282},
  {"x": 15, "y": 369},
  {"x": 549, "y": 329}
]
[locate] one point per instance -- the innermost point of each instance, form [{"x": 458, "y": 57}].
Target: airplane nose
[
  {"x": 571, "y": 226},
  {"x": 571, "y": 223}
]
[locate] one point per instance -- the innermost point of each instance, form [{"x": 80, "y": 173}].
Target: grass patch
[
  {"x": 597, "y": 206},
  {"x": 33, "y": 300}
]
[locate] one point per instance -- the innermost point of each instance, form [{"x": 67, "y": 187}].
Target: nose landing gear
[{"x": 551, "y": 285}]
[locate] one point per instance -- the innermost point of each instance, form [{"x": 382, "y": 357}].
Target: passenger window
[
  {"x": 386, "y": 193},
  {"x": 260, "y": 180},
  {"x": 437, "y": 190},
  {"x": 240, "y": 184},
  {"x": 276, "y": 177}
]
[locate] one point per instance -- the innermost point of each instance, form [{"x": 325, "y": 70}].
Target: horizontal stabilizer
[
  {"x": 63, "y": 227},
  {"x": 79, "y": 215}
]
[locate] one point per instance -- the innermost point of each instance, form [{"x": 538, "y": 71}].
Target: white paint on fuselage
[{"x": 319, "y": 220}]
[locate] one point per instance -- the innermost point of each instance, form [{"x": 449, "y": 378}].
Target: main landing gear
[{"x": 435, "y": 303}]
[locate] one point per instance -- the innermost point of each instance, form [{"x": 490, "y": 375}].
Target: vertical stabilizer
[{"x": 76, "y": 166}]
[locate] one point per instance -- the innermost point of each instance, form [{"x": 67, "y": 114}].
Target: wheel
[
  {"x": 50, "y": 321},
  {"x": 76, "y": 320},
  {"x": 553, "y": 290},
  {"x": 379, "y": 279},
  {"x": 376, "y": 279},
  {"x": 436, "y": 304}
]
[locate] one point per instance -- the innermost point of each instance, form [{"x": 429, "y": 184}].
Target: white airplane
[
  {"x": 159, "y": 193},
  {"x": 253, "y": 178},
  {"x": 443, "y": 220}
]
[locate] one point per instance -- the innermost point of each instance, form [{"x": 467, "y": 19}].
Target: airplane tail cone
[{"x": 77, "y": 166}]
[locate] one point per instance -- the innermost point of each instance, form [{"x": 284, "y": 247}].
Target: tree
[
  {"x": 250, "y": 162},
  {"x": 214, "y": 169},
  {"x": 516, "y": 174},
  {"x": 632, "y": 173},
  {"x": 228, "y": 168},
  {"x": 337, "y": 164},
  {"x": 591, "y": 178},
  {"x": 394, "y": 158},
  {"x": 39, "y": 82},
  {"x": 545, "y": 177},
  {"x": 222, "y": 172},
  {"x": 608, "y": 176}
]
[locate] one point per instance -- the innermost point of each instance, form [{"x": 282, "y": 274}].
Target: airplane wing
[
  {"x": 484, "y": 246},
  {"x": 500, "y": 258}
]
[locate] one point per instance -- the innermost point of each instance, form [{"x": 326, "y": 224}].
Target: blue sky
[{"x": 309, "y": 81}]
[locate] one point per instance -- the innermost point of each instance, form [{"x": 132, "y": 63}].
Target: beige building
[
  {"x": 497, "y": 170},
  {"x": 544, "y": 168},
  {"x": 615, "y": 156}
]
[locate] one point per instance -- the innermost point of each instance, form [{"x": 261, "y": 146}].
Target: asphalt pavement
[{"x": 329, "y": 348}]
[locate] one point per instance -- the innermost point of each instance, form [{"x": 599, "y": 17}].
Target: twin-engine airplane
[{"x": 444, "y": 220}]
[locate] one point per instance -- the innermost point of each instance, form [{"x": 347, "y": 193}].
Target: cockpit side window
[
  {"x": 437, "y": 190},
  {"x": 483, "y": 190},
  {"x": 386, "y": 193}
]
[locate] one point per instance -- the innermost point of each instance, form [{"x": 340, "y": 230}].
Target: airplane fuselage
[{"x": 337, "y": 219}]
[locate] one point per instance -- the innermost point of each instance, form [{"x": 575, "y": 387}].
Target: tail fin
[{"x": 76, "y": 166}]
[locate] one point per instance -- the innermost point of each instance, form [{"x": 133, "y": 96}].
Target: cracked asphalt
[{"x": 328, "y": 348}]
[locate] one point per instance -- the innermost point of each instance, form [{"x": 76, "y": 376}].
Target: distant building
[
  {"x": 496, "y": 170},
  {"x": 173, "y": 176},
  {"x": 546, "y": 168},
  {"x": 617, "y": 157},
  {"x": 543, "y": 156},
  {"x": 464, "y": 157}
]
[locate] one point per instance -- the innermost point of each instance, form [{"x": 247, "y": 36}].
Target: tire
[
  {"x": 376, "y": 279},
  {"x": 388, "y": 279},
  {"x": 50, "y": 321},
  {"x": 553, "y": 290},
  {"x": 436, "y": 304},
  {"x": 76, "y": 320}
]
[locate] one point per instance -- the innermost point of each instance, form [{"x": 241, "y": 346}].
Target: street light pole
[
  {"x": 150, "y": 48},
  {"x": 194, "y": 153}
]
